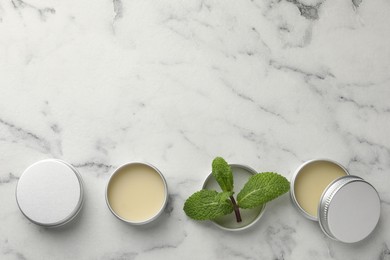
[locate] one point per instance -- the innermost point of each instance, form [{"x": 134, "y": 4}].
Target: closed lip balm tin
[
  {"x": 50, "y": 193},
  {"x": 348, "y": 209}
]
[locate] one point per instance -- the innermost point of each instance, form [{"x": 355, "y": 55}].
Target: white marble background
[{"x": 267, "y": 83}]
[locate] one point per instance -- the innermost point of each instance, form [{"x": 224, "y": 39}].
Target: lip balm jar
[
  {"x": 136, "y": 193},
  {"x": 346, "y": 206},
  {"x": 50, "y": 193}
]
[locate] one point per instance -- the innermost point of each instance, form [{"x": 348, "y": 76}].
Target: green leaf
[
  {"x": 261, "y": 188},
  {"x": 208, "y": 204},
  {"x": 222, "y": 174}
]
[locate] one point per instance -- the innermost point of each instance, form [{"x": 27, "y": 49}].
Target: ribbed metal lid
[
  {"x": 349, "y": 209},
  {"x": 50, "y": 193}
]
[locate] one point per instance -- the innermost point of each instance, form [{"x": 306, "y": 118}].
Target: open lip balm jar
[
  {"x": 137, "y": 193},
  {"x": 346, "y": 206}
]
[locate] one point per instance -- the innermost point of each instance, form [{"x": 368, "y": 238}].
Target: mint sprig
[
  {"x": 223, "y": 174},
  {"x": 208, "y": 204},
  {"x": 260, "y": 189}
]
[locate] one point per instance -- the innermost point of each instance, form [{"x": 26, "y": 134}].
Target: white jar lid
[
  {"x": 349, "y": 209},
  {"x": 50, "y": 193}
]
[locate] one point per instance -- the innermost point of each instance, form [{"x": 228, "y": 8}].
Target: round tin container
[
  {"x": 150, "y": 168},
  {"x": 348, "y": 209},
  {"x": 241, "y": 174},
  {"x": 50, "y": 193},
  {"x": 297, "y": 174}
]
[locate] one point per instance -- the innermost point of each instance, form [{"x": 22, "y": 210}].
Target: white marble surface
[{"x": 266, "y": 83}]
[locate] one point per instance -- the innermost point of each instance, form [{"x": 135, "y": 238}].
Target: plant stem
[{"x": 236, "y": 209}]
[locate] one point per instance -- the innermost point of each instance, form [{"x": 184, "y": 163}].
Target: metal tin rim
[
  {"x": 78, "y": 206},
  {"x": 253, "y": 172},
  {"x": 295, "y": 175},
  {"x": 162, "y": 206},
  {"x": 326, "y": 200}
]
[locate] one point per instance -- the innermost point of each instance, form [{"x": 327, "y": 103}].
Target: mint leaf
[
  {"x": 208, "y": 204},
  {"x": 222, "y": 174},
  {"x": 261, "y": 188}
]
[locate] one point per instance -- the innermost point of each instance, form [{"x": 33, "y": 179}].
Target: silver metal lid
[
  {"x": 50, "y": 193},
  {"x": 349, "y": 209}
]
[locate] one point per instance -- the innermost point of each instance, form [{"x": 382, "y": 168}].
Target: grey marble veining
[{"x": 265, "y": 83}]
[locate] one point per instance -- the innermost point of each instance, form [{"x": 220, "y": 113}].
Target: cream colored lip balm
[
  {"x": 137, "y": 193},
  {"x": 310, "y": 181}
]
